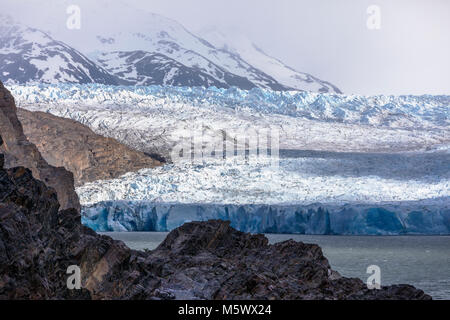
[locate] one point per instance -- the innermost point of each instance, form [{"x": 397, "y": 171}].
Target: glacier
[
  {"x": 348, "y": 164},
  {"x": 311, "y": 193},
  {"x": 302, "y": 178},
  {"x": 386, "y": 219},
  {"x": 153, "y": 119},
  {"x": 395, "y": 111}
]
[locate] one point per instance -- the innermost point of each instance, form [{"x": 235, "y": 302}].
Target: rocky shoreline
[{"x": 199, "y": 260}]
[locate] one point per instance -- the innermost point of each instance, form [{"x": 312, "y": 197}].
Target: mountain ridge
[
  {"x": 153, "y": 50},
  {"x": 69, "y": 144},
  {"x": 249, "y": 51},
  {"x": 31, "y": 55}
]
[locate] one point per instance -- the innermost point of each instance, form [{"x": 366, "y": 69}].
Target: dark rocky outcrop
[
  {"x": 89, "y": 156},
  {"x": 35, "y": 245},
  {"x": 19, "y": 151},
  {"x": 211, "y": 260}
]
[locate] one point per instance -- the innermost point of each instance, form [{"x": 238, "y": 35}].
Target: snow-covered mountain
[
  {"x": 150, "y": 68},
  {"x": 138, "y": 48},
  {"x": 30, "y": 55},
  {"x": 240, "y": 45},
  {"x": 145, "y": 48}
]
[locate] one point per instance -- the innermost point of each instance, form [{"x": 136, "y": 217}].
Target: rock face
[
  {"x": 19, "y": 151},
  {"x": 35, "y": 240},
  {"x": 89, "y": 156}
]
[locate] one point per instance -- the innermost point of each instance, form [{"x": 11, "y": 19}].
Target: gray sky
[{"x": 330, "y": 39}]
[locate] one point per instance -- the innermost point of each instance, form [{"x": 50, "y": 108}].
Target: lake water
[{"x": 422, "y": 261}]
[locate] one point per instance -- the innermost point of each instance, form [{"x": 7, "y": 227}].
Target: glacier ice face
[{"x": 419, "y": 217}]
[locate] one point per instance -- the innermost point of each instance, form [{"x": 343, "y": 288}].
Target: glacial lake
[{"x": 422, "y": 261}]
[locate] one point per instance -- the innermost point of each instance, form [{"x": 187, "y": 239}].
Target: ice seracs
[
  {"x": 306, "y": 179},
  {"x": 154, "y": 118}
]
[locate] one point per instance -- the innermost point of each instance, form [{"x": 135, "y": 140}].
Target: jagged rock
[
  {"x": 38, "y": 243},
  {"x": 34, "y": 251},
  {"x": 211, "y": 260},
  {"x": 19, "y": 151},
  {"x": 89, "y": 156}
]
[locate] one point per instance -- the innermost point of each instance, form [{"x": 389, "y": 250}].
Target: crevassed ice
[
  {"x": 294, "y": 181},
  {"x": 154, "y": 119},
  {"x": 423, "y": 110},
  {"x": 302, "y": 195}
]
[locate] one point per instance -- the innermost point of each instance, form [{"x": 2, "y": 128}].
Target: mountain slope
[
  {"x": 134, "y": 33},
  {"x": 69, "y": 144},
  {"x": 30, "y": 55},
  {"x": 135, "y": 47},
  {"x": 146, "y": 68},
  {"x": 283, "y": 74}
]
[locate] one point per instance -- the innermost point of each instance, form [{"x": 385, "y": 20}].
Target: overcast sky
[{"x": 330, "y": 39}]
